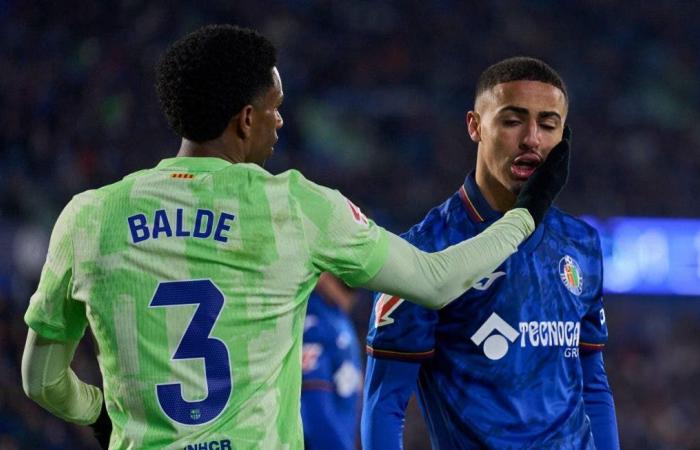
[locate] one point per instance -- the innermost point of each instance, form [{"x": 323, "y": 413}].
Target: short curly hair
[
  {"x": 519, "y": 68},
  {"x": 209, "y": 75}
]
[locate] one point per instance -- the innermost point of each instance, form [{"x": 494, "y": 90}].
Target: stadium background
[{"x": 376, "y": 94}]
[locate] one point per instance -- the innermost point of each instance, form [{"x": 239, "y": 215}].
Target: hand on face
[{"x": 516, "y": 125}]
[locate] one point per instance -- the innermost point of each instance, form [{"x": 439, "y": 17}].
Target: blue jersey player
[
  {"x": 331, "y": 366},
  {"x": 515, "y": 362}
]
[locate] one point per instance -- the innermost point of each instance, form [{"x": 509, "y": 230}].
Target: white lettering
[
  {"x": 569, "y": 337},
  {"x": 544, "y": 336},
  {"x": 523, "y": 332},
  {"x": 552, "y": 329},
  {"x": 534, "y": 337}
]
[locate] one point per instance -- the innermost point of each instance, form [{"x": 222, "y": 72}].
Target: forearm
[
  {"x": 48, "y": 380},
  {"x": 599, "y": 403},
  {"x": 434, "y": 279}
]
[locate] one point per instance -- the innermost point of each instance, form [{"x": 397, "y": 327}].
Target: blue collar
[
  {"x": 478, "y": 208},
  {"x": 480, "y": 212}
]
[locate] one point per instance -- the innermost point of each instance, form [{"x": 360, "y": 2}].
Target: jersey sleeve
[
  {"x": 341, "y": 239},
  {"x": 52, "y": 312},
  {"x": 594, "y": 328},
  {"x": 399, "y": 329}
]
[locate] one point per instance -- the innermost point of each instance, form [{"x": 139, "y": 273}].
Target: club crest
[{"x": 570, "y": 274}]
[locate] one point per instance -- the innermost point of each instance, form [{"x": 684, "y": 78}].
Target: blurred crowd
[{"x": 375, "y": 98}]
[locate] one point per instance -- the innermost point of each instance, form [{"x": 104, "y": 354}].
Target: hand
[
  {"x": 102, "y": 428},
  {"x": 543, "y": 186}
]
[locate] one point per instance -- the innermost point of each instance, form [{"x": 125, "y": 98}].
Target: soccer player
[
  {"x": 331, "y": 369},
  {"x": 516, "y": 361},
  {"x": 193, "y": 275}
]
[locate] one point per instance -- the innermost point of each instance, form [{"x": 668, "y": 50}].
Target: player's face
[
  {"x": 516, "y": 125},
  {"x": 266, "y": 121}
]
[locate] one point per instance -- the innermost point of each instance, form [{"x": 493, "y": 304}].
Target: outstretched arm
[{"x": 434, "y": 279}]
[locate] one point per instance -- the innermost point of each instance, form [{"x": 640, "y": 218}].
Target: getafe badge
[{"x": 570, "y": 274}]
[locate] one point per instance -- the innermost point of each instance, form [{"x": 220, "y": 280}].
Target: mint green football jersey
[{"x": 193, "y": 277}]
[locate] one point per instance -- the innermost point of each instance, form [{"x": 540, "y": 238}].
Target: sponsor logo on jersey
[
  {"x": 309, "y": 356},
  {"x": 570, "y": 274},
  {"x": 497, "y": 335},
  {"x": 224, "y": 444},
  {"x": 487, "y": 281},
  {"x": 386, "y": 304},
  {"x": 357, "y": 214},
  {"x": 495, "y": 344}
]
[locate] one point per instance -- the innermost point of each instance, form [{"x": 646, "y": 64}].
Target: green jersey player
[{"x": 193, "y": 276}]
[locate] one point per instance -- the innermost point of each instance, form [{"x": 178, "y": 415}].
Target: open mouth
[{"x": 524, "y": 165}]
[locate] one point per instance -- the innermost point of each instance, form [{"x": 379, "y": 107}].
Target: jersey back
[{"x": 193, "y": 277}]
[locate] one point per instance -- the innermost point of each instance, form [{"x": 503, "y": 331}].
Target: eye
[
  {"x": 511, "y": 122},
  {"x": 548, "y": 127}
]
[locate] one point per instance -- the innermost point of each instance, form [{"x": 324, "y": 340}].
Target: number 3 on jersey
[{"x": 196, "y": 343}]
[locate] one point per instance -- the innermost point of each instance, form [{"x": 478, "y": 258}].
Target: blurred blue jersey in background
[{"x": 332, "y": 377}]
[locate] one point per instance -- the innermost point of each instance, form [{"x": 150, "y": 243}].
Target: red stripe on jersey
[
  {"x": 403, "y": 356},
  {"x": 591, "y": 347},
  {"x": 357, "y": 214},
  {"x": 386, "y": 305},
  {"x": 471, "y": 209}
]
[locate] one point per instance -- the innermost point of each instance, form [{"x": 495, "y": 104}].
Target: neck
[
  {"x": 496, "y": 195},
  {"x": 216, "y": 148}
]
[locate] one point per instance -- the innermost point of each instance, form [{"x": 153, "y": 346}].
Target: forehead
[
  {"x": 274, "y": 92},
  {"x": 532, "y": 95}
]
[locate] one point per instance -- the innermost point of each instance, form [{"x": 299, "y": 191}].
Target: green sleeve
[
  {"x": 52, "y": 312},
  {"x": 341, "y": 239}
]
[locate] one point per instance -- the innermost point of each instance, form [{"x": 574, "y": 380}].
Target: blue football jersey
[
  {"x": 501, "y": 363},
  {"x": 331, "y": 362}
]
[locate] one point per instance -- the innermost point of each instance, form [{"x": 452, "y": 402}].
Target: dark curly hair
[
  {"x": 519, "y": 68},
  {"x": 208, "y": 76}
]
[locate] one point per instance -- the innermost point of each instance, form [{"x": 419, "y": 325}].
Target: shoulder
[
  {"x": 431, "y": 232},
  {"x": 564, "y": 223}
]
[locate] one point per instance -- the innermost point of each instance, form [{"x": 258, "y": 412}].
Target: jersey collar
[
  {"x": 476, "y": 205},
  {"x": 482, "y": 214},
  {"x": 194, "y": 163}
]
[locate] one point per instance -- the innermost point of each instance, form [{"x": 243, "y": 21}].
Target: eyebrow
[{"x": 520, "y": 110}]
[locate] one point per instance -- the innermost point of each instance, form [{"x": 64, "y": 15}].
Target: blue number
[{"x": 196, "y": 343}]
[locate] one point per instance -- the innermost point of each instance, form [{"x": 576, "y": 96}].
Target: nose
[
  {"x": 531, "y": 139},
  {"x": 280, "y": 121}
]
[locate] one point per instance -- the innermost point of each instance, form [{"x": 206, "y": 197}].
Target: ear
[
  {"x": 474, "y": 126},
  {"x": 244, "y": 122}
]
